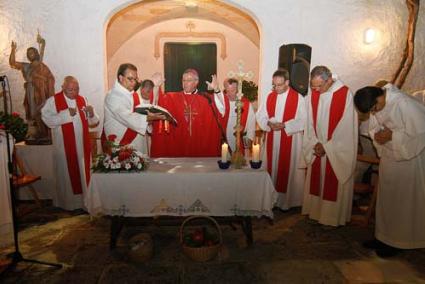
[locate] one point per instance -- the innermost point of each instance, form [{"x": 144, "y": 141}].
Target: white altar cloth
[
  {"x": 6, "y": 226},
  {"x": 182, "y": 187}
]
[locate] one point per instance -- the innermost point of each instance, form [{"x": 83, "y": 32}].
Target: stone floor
[{"x": 292, "y": 249}]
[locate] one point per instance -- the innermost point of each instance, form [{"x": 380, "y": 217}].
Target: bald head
[{"x": 70, "y": 87}]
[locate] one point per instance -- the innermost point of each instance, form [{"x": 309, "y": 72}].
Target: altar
[{"x": 182, "y": 187}]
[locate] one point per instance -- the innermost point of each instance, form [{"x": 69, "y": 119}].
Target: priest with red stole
[
  {"x": 198, "y": 115},
  {"x": 230, "y": 116},
  {"x": 330, "y": 149},
  {"x": 282, "y": 115},
  {"x": 121, "y": 119},
  {"x": 70, "y": 116}
]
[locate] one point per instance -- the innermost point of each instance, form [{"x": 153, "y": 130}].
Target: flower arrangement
[
  {"x": 250, "y": 90},
  {"x": 14, "y": 124},
  {"x": 119, "y": 158}
]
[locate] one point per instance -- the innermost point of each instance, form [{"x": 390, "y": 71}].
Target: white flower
[
  {"x": 115, "y": 160},
  {"x": 127, "y": 166},
  {"x": 113, "y": 167},
  {"x": 118, "y": 166},
  {"x": 114, "y": 149},
  {"x": 139, "y": 166},
  {"x": 106, "y": 165}
]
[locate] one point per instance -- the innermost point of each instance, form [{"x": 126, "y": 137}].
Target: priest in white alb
[
  {"x": 330, "y": 149},
  {"x": 230, "y": 116},
  {"x": 121, "y": 119},
  {"x": 397, "y": 128},
  {"x": 282, "y": 115},
  {"x": 70, "y": 116}
]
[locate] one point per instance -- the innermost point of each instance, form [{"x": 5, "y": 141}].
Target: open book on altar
[{"x": 144, "y": 108}]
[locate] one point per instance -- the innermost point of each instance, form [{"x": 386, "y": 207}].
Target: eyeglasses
[{"x": 132, "y": 79}]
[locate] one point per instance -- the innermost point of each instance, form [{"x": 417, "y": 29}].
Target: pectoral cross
[
  {"x": 238, "y": 159},
  {"x": 188, "y": 115}
]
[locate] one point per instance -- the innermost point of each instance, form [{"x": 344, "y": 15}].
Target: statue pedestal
[{"x": 38, "y": 160}]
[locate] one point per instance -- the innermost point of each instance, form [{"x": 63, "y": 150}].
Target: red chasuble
[
  {"x": 284, "y": 163},
  {"x": 244, "y": 116},
  {"x": 330, "y": 188},
  {"x": 197, "y": 133},
  {"x": 69, "y": 143}
]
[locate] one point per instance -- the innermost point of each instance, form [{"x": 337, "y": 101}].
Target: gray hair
[
  {"x": 68, "y": 79},
  {"x": 321, "y": 71},
  {"x": 193, "y": 72}
]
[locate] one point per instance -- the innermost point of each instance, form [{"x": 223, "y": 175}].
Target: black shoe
[
  {"x": 387, "y": 251},
  {"x": 373, "y": 244}
]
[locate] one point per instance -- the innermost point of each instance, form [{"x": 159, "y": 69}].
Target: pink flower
[
  {"x": 2, "y": 126},
  {"x": 15, "y": 114}
]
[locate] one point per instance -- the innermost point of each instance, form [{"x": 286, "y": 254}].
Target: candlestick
[
  {"x": 224, "y": 150},
  {"x": 256, "y": 152}
]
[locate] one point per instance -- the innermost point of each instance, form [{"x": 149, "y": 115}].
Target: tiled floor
[{"x": 291, "y": 250}]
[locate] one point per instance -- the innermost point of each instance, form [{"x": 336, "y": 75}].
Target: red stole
[
  {"x": 284, "y": 163},
  {"x": 69, "y": 143},
  {"x": 130, "y": 134},
  {"x": 330, "y": 188},
  {"x": 244, "y": 116}
]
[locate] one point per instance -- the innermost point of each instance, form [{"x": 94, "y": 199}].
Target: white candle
[
  {"x": 256, "y": 153},
  {"x": 224, "y": 150}
]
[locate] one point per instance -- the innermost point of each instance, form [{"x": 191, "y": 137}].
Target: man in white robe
[
  {"x": 282, "y": 115},
  {"x": 70, "y": 116},
  {"x": 397, "y": 128},
  {"x": 146, "y": 91},
  {"x": 330, "y": 149},
  {"x": 120, "y": 119},
  {"x": 230, "y": 116}
]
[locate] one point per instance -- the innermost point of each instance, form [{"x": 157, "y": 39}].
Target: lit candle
[
  {"x": 256, "y": 153},
  {"x": 166, "y": 126},
  {"x": 224, "y": 150}
]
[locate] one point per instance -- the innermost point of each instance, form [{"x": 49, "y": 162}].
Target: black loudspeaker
[{"x": 296, "y": 59}]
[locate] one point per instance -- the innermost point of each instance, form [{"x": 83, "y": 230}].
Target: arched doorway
[{"x": 139, "y": 32}]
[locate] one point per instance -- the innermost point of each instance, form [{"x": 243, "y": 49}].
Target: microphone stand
[
  {"x": 223, "y": 134},
  {"x": 16, "y": 256}
]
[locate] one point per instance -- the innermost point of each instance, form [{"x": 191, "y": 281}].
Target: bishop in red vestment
[{"x": 198, "y": 132}]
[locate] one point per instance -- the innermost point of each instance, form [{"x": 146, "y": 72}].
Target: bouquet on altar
[{"x": 119, "y": 158}]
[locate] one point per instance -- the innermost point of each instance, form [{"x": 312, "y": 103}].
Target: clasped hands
[
  {"x": 88, "y": 110},
  {"x": 383, "y": 136},
  {"x": 319, "y": 150},
  {"x": 276, "y": 125}
]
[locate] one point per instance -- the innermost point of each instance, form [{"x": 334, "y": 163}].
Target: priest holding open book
[
  {"x": 197, "y": 132},
  {"x": 121, "y": 119}
]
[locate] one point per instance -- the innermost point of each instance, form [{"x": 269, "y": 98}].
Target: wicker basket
[
  {"x": 140, "y": 248},
  {"x": 204, "y": 253}
]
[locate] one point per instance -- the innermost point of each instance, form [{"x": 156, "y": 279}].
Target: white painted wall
[
  {"x": 139, "y": 50},
  {"x": 75, "y": 34}
]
